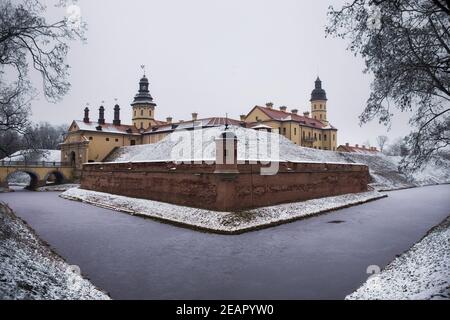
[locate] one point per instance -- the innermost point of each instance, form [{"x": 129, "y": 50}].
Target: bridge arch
[
  {"x": 34, "y": 178},
  {"x": 40, "y": 173},
  {"x": 55, "y": 177}
]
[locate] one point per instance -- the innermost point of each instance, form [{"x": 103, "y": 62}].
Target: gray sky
[{"x": 213, "y": 57}]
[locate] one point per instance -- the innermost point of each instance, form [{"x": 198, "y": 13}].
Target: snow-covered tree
[{"x": 406, "y": 47}]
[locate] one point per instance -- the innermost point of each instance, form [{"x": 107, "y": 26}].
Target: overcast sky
[{"x": 213, "y": 57}]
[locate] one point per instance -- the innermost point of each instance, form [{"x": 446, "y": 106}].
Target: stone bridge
[{"x": 40, "y": 172}]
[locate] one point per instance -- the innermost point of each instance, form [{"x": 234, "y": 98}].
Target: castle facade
[{"x": 90, "y": 140}]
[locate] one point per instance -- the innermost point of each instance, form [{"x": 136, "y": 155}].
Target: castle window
[
  {"x": 132, "y": 142},
  {"x": 324, "y": 137},
  {"x": 107, "y": 139},
  {"x": 333, "y": 137},
  {"x": 91, "y": 138},
  {"x": 142, "y": 112},
  {"x": 320, "y": 116},
  {"x": 284, "y": 131},
  {"x": 135, "y": 113},
  {"x": 315, "y": 136},
  {"x": 320, "y": 137},
  {"x": 320, "y": 106},
  {"x": 117, "y": 140},
  {"x": 142, "y": 125},
  {"x": 150, "y": 112},
  {"x": 303, "y": 134},
  {"x": 315, "y": 107},
  {"x": 295, "y": 131}
]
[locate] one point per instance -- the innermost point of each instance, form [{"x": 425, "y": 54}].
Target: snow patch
[
  {"x": 423, "y": 272},
  {"x": 30, "y": 270},
  {"x": 35, "y": 155},
  {"x": 215, "y": 221}
]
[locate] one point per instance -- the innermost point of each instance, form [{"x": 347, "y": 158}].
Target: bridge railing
[{"x": 46, "y": 164}]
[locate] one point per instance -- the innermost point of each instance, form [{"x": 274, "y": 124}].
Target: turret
[
  {"x": 116, "y": 120},
  {"x": 226, "y": 153},
  {"x": 86, "y": 115},
  {"x": 101, "y": 115}
]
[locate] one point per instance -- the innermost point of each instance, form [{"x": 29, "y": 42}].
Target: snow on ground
[
  {"x": 423, "y": 272},
  {"x": 30, "y": 270},
  {"x": 215, "y": 221},
  {"x": 35, "y": 155},
  {"x": 59, "y": 187},
  {"x": 383, "y": 169}
]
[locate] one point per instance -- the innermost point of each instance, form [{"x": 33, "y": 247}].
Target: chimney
[
  {"x": 306, "y": 114},
  {"x": 357, "y": 145},
  {"x": 363, "y": 146},
  {"x": 269, "y": 105},
  {"x": 283, "y": 108},
  {"x": 101, "y": 115},
  {"x": 243, "y": 117},
  {"x": 86, "y": 115},
  {"x": 294, "y": 111},
  {"x": 116, "y": 120},
  {"x": 194, "y": 116},
  {"x": 169, "y": 119},
  {"x": 347, "y": 144}
]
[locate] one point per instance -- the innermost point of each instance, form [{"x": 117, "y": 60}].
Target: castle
[{"x": 92, "y": 141}]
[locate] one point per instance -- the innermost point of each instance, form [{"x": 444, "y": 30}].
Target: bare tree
[
  {"x": 406, "y": 46},
  {"x": 26, "y": 36},
  {"x": 381, "y": 142},
  {"x": 397, "y": 148},
  {"x": 46, "y": 136}
]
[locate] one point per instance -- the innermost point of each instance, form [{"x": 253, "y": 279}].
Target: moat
[{"x": 136, "y": 258}]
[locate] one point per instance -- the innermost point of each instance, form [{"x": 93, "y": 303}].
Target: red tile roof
[
  {"x": 203, "y": 123},
  {"x": 289, "y": 116},
  {"x": 357, "y": 149}
]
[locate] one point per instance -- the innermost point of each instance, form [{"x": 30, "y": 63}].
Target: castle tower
[
  {"x": 319, "y": 102},
  {"x": 143, "y": 106}
]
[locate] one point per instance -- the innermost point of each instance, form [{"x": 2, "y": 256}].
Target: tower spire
[{"x": 143, "y": 105}]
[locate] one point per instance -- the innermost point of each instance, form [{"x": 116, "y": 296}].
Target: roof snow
[{"x": 35, "y": 155}]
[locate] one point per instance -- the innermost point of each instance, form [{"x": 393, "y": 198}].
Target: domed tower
[
  {"x": 143, "y": 106},
  {"x": 319, "y": 102}
]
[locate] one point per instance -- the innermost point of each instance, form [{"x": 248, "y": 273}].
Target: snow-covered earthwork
[
  {"x": 215, "y": 221},
  {"x": 255, "y": 145},
  {"x": 29, "y": 269},
  {"x": 423, "y": 272},
  {"x": 58, "y": 187}
]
